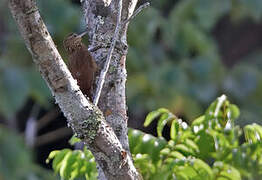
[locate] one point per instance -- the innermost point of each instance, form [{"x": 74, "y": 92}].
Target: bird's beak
[{"x": 83, "y": 33}]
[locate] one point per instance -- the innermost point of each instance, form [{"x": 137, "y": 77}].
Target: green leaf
[
  {"x": 150, "y": 117},
  {"x": 258, "y": 130},
  {"x": 57, "y": 162},
  {"x": 186, "y": 171},
  {"x": 176, "y": 155},
  {"x": 145, "y": 144},
  {"x": 161, "y": 124},
  {"x": 73, "y": 164},
  {"x": 206, "y": 144},
  {"x": 213, "y": 110},
  {"x": 51, "y": 155},
  {"x": 192, "y": 145},
  {"x": 74, "y": 140},
  {"x": 203, "y": 169},
  {"x": 65, "y": 165},
  {"x": 234, "y": 111},
  {"x": 225, "y": 171},
  {"x": 144, "y": 165},
  {"x": 133, "y": 138},
  {"x": 153, "y": 115},
  {"x": 174, "y": 129},
  {"x": 165, "y": 152},
  {"x": 198, "y": 121},
  {"x": 163, "y": 120},
  {"x": 185, "y": 150},
  {"x": 220, "y": 101},
  {"x": 186, "y": 134},
  {"x": 253, "y": 133}
]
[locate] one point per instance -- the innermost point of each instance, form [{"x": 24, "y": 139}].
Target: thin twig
[
  {"x": 137, "y": 11},
  {"x": 93, "y": 49},
  {"x": 109, "y": 55}
]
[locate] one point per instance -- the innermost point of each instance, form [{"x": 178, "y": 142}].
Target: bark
[
  {"x": 103, "y": 129},
  {"x": 100, "y": 17}
]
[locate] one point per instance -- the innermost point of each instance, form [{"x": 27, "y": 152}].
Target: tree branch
[
  {"x": 109, "y": 55},
  {"x": 137, "y": 11},
  {"x": 85, "y": 119},
  {"x": 119, "y": 26}
]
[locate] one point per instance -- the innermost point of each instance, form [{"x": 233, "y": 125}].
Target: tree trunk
[
  {"x": 100, "y": 17},
  {"x": 104, "y": 127}
]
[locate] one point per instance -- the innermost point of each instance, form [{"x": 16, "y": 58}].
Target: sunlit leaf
[
  {"x": 253, "y": 133},
  {"x": 74, "y": 140},
  {"x": 57, "y": 162},
  {"x": 65, "y": 165},
  {"x": 191, "y": 144},
  {"x": 174, "y": 129},
  {"x": 203, "y": 169},
  {"x": 225, "y": 171},
  {"x": 234, "y": 111},
  {"x": 185, "y": 150},
  {"x": 163, "y": 120},
  {"x": 153, "y": 115}
]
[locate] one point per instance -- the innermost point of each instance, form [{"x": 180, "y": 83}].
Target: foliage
[
  {"x": 212, "y": 147},
  {"x": 174, "y": 59},
  {"x": 72, "y": 164},
  {"x": 16, "y": 161}
]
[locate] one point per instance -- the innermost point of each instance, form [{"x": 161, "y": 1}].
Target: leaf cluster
[
  {"x": 73, "y": 164},
  {"x": 211, "y": 148}
]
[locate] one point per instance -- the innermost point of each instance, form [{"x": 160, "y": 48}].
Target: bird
[{"x": 81, "y": 64}]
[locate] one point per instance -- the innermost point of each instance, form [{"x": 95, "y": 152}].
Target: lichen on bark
[{"x": 87, "y": 129}]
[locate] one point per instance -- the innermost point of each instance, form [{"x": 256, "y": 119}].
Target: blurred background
[{"x": 182, "y": 55}]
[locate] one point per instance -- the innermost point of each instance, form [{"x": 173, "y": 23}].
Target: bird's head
[{"x": 73, "y": 41}]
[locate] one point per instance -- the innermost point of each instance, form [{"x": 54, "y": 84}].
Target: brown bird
[{"x": 81, "y": 64}]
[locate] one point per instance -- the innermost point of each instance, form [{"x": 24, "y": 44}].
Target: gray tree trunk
[{"x": 104, "y": 127}]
